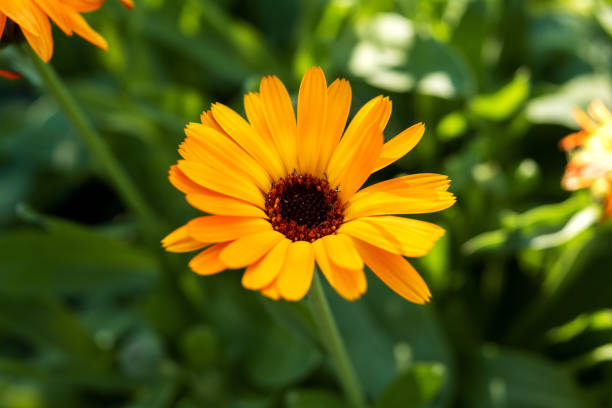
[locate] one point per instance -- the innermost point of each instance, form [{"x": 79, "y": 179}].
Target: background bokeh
[{"x": 94, "y": 314}]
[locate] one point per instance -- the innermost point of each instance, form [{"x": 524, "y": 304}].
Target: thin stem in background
[
  {"x": 330, "y": 336},
  {"x": 98, "y": 147}
]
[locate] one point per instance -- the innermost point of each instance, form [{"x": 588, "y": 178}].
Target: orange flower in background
[
  {"x": 32, "y": 19},
  {"x": 9, "y": 74},
  {"x": 285, "y": 193},
  {"x": 590, "y": 162}
]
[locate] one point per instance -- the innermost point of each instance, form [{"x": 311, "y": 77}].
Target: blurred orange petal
[{"x": 9, "y": 74}]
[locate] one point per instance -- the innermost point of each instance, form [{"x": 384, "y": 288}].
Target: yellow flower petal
[
  {"x": 80, "y": 26},
  {"x": 400, "y": 145},
  {"x": 296, "y": 274},
  {"x": 218, "y": 180},
  {"x": 26, "y": 15},
  {"x": 184, "y": 183},
  {"x": 42, "y": 43},
  {"x": 369, "y": 233},
  {"x": 84, "y": 5},
  {"x": 179, "y": 240},
  {"x": 405, "y": 184},
  {"x": 353, "y": 139},
  {"x": 55, "y": 10},
  {"x": 397, "y": 235},
  {"x": 312, "y": 109},
  {"x": 414, "y": 194},
  {"x": 395, "y": 272},
  {"x": 271, "y": 291},
  {"x": 377, "y": 110},
  {"x": 221, "y": 228},
  {"x": 386, "y": 203},
  {"x": 608, "y": 202},
  {"x": 262, "y": 273},
  {"x": 280, "y": 118},
  {"x": 2, "y": 23},
  {"x": 409, "y": 232},
  {"x": 338, "y": 107},
  {"x": 253, "y": 106},
  {"x": 250, "y": 248},
  {"x": 584, "y": 121},
  {"x": 599, "y": 111},
  {"x": 359, "y": 163},
  {"x": 341, "y": 251},
  {"x": 207, "y": 262},
  {"x": 220, "y": 204},
  {"x": 243, "y": 134},
  {"x": 204, "y": 144},
  {"x": 209, "y": 120},
  {"x": 350, "y": 284}
]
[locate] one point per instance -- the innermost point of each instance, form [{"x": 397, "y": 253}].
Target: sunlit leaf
[
  {"x": 394, "y": 56},
  {"x": 504, "y": 102},
  {"x": 556, "y": 107}
]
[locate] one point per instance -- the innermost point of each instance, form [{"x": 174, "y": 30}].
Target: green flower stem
[
  {"x": 330, "y": 336},
  {"x": 97, "y": 146}
]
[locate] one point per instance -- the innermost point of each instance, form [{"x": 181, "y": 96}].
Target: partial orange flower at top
[
  {"x": 31, "y": 17},
  {"x": 590, "y": 150},
  {"x": 285, "y": 192}
]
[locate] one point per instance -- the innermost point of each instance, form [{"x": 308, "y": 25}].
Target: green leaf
[
  {"x": 313, "y": 399},
  {"x": 295, "y": 316},
  {"x": 503, "y": 378},
  {"x": 47, "y": 323},
  {"x": 452, "y": 126},
  {"x": 363, "y": 338},
  {"x": 280, "y": 358},
  {"x": 202, "y": 50},
  {"x": 414, "y": 388},
  {"x": 586, "y": 339},
  {"x": 75, "y": 375},
  {"x": 397, "y": 332},
  {"x": 67, "y": 258},
  {"x": 500, "y": 105},
  {"x": 436, "y": 264},
  {"x": 604, "y": 16},
  {"x": 411, "y": 335},
  {"x": 578, "y": 281},
  {"x": 155, "y": 397},
  {"x": 141, "y": 355},
  {"x": 200, "y": 346},
  {"x": 540, "y": 227},
  {"x": 20, "y": 395}
]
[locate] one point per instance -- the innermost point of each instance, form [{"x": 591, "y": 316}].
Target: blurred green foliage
[{"x": 92, "y": 316}]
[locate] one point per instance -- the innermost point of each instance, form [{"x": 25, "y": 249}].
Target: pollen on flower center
[{"x": 304, "y": 207}]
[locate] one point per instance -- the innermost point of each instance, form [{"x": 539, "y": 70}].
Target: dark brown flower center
[{"x": 304, "y": 207}]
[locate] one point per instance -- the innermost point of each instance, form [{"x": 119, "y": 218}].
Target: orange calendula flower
[
  {"x": 590, "y": 162},
  {"x": 30, "y": 18},
  {"x": 284, "y": 193}
]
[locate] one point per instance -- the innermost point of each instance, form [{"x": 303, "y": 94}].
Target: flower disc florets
[{"x": 304, "y": 207}]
